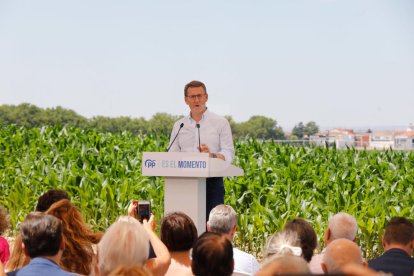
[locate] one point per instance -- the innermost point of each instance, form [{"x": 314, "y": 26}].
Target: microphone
[
  {"x": 199, "y": 144},
  {"x": 181, "y": 126}
]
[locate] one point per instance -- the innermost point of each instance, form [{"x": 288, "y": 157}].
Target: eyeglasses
[{"x": 198, "y": 96}]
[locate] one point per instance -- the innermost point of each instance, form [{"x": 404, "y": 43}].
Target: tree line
[{"x": 257, "y": 126}]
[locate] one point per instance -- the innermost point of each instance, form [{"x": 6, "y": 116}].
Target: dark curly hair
[{"x": 51, "y": 196}]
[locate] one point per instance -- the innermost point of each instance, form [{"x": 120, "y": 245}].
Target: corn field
[{"x": 102, "y": 173}]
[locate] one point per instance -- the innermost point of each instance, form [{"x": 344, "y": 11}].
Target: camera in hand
[{"x": 143, "y": 210}]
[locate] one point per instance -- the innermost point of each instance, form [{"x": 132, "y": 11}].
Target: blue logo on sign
[{"x": 149, "y": 163}]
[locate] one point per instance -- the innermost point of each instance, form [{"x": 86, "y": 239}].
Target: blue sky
[{"x": 344, "y": 63}]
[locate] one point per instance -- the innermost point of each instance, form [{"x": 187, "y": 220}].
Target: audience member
[
  {"x": 223, "y": 220},
  {"x": 17, "y": 258},
  {"x": 126, "y": 243},
  {"x": 131, "y": 271},
  {"x": 51, "y": 196},
  {"x": 306, "y": 235},
  {"x": 283, "y": 243},
  {"x": 284, "y": 265},
  {"x": 4, "y": 245},
  {"x": 43, "y": 242},
  {"x": 179, "y": 234},
  {"x": 78, "y": 238},
  {"x": 398, "y": 243},
  {"x": 339, "y": 253},
  {"x": 212, "y": 255},
  {"x": 340, "y": 226}
]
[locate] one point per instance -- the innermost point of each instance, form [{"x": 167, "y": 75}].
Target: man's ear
[
  {"x": 324, "y": 268},
  {"x": 327, "y": 236},
  {"x": 208, "y": 227},
  {"x": 25, "y": 250},
  {"x": 233, "y": 230},
  {"x": 383, "y": 241}
]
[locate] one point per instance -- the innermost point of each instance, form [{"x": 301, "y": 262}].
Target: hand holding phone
[{"x": 143, "y": 210}]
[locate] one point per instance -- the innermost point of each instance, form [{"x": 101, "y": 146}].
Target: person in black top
[{"x": 398, "y": 243}]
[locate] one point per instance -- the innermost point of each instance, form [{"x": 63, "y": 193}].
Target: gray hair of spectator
[
  {"x": 343, "y": 226},
  {"x": 283, "y": 243},
  {"x": 222, "y": 219},
  {"x": 125, "y": 243},
  {"x": 340, "y": 252}
]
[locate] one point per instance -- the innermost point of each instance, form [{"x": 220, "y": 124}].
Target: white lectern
[{"x": 185, "y": 180}]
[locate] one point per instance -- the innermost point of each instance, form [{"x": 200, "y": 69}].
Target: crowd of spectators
[{"x": 54, "y": 240}]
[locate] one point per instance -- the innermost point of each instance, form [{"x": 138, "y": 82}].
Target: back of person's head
[
  {"x": 343, "y": 226},
  {"x": 4, "y": 220},
  {"x": 212, "y": 255},
  {"x": 131, "y": 271},
  {"x": 339, "y": 253},
  {"x": 283, "y": 243},
  {"x": 125, "y": 243},
  {"x": 283, "y": 265},
  {"x": 399, "y": 231},
  {"x": 194, "y": 83},
  {"x": 222, "y": 219},
  {"x": 178, "y": 232},
  {"x": 306, "y": 235},
  {"x": 78, "y": 254},
  {"x": 51, "y": 196},
  {"x": 41, "y": 235}
]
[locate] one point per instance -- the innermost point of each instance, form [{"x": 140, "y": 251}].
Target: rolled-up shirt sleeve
[{"x": 226, "y": 142}]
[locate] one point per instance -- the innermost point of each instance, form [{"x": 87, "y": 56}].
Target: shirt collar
[{"x": 205, "y": 115}]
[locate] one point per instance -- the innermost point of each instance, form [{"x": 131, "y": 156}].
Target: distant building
[
  {"x": 362, "y": 140},
  {"x": 341, "y": 137},
  {"x": 399, "y": 139},
  {"x": 404, "y": 139}
]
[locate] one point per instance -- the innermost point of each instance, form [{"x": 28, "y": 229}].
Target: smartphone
[{"x": 143, "y": 210}]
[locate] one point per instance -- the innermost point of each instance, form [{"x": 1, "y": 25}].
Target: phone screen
[{"x": 144, "y": 210}]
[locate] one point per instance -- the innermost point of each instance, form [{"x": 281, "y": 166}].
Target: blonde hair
[{"x": 125, "y": 243}]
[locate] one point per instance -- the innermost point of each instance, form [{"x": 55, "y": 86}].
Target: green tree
[
  {"x": 304, "y": 131},
  {"x": 311, "y": 128},
  {"x": 260, "y": 127},
  {"x": 299, "y": 130},
  {"x": 162, "y": 123},
  {"x": 233, "y": 125}
]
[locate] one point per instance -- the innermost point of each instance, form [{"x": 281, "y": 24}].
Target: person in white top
[
  {"x": 223, "y": 220},
  {"x": 203, "y": 131},
  {"x": 340, "y": 226}
]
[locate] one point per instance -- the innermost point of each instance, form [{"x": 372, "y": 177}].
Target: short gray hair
[
  {"x": 222, "y": 219},
  {"x": 343, "y": 226}
]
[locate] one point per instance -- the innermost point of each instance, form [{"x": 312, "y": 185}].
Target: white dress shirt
[
  {"x": 215, "y": 132},
  {"x": 245, "y": 262}
]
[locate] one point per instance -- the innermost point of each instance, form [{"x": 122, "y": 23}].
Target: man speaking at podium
[{"x": 203, "y": 131}]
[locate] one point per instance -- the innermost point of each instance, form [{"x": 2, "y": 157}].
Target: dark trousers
[{"x": 214, "y": 193}]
